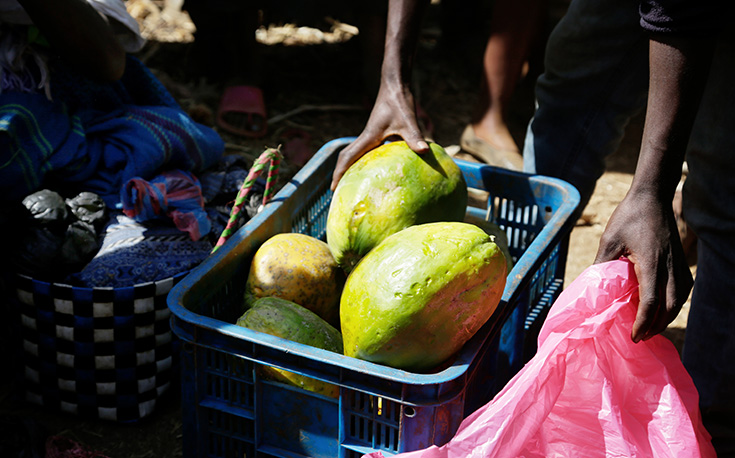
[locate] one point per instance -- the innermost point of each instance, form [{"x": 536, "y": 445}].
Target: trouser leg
[
  {"x": 709, "y": 209},
  {"x": 595, "y": 80}
]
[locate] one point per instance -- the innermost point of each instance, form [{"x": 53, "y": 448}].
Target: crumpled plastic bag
[
  {"x": 589, "y": 391},
  {"x": 48, "y": 208},
  {"x": 89, "y": 208},
  {"x": 57, "y": 236}
]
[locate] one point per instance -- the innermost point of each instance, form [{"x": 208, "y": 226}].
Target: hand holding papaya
[
  {"x": 394, "y": 112},
  {"x": 393, "y": 115}
]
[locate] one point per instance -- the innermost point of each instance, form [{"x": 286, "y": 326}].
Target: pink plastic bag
[{"x": 589, "y": 391}]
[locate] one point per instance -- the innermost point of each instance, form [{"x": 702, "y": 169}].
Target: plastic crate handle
[{"x": 270, "y": 155}]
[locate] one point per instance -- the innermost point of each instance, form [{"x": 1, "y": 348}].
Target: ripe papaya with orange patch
[{"x": 421, "y": 294}]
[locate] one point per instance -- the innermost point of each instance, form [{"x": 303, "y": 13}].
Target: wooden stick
[{"x": 305, "y": 108}]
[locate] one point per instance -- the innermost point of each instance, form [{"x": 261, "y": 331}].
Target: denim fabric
[
  {"x": 595, "y": 81},
  {"x": 709, "y": 209},
  {"x": 709, "y": 191},
  {"x": 709, "y": 345}
]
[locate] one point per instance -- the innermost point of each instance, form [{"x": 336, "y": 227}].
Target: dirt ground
[{"x": 313, "y": 86}]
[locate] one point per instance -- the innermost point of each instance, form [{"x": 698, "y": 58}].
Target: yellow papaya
[
  {"x": 415, "y": 299},
  {"x": 285, "y": 319},
  {"x": 298, "y": 268}
]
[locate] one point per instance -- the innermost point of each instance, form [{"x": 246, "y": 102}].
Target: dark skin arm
[
  {"x": 642, "y": 227},
  {"x": 394, "y": 112},
  {"x": 80, "y": 35}
]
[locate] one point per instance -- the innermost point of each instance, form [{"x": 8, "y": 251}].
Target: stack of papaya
[{"x": 402, "y": 280}]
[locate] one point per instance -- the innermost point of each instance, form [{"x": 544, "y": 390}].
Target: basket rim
[{"x": 54, "y": 284}]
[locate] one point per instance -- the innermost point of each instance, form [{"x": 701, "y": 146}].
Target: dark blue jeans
[
  {"x": 709, "y": 209},
  {"x": 595, "y": 81}
]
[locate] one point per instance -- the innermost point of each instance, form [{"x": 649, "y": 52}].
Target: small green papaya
[
  {"x": 388, "y": 189},
  {"x": 288, "y": 320},
  {"x": 421, "y": 294}
]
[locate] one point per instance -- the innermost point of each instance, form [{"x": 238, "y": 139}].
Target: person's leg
[
  {"x": 709, "y": 209},
  {"x": 595, "y": 79},
  {"x": 709, "y": 345},
  {"x": 514, "y": 28}
]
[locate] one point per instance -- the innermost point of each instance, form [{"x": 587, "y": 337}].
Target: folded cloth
[
  {"x": 222, "y": 181},
  {"x": 176, "y": 194},
  {"x": 135, "y": 252}
]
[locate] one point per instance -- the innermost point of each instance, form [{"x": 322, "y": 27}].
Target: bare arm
[
  {"x": 394, "y": 112},
  {"x": 642, "y": 227},
  {"x": 80, "y": 35}
]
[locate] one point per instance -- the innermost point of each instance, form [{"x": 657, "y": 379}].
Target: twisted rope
[{"x": 270, "y": 155}]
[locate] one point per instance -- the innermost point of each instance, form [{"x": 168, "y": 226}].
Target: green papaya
[
  {"x": 416, "y": 298},
  {"x": 282, "y": 318},
  {"x": 501, "y": 238},
  {"x": 389, "y": 189}
]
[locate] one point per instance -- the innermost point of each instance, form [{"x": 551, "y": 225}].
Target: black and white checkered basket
[{"x": 97, "y": 352}]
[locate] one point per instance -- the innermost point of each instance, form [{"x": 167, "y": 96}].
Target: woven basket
[{"x": 106, "y": 353}]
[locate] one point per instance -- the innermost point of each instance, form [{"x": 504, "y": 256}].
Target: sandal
[
  {"x": 489, "y": 154},
  {"x": 242, "y": 111}
]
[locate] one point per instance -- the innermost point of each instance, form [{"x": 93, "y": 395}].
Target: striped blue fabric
[{"x": 96, "y": 137}]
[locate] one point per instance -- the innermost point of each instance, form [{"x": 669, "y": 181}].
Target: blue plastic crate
[{"x": 229, "y": 411}]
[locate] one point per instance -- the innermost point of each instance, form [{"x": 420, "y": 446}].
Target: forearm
[
  {"x": 678, "y": 73},
  {"x": 642, "y": 227},
  {"x": 394, "y": 112},
  {"x": 80, "y": 35},
  {"x": 402, "y": 33}
]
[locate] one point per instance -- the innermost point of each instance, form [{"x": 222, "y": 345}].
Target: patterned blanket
[{"x": 95, "y": 137}]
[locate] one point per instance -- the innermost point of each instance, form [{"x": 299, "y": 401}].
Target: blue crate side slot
[
  {"x": 528, "y": 209},
  {"x": 379, "y": 408}
]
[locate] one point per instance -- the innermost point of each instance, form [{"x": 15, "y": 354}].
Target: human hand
[
  {"x": 643, "y": 229},
  {"x": 393, "y": 115}
]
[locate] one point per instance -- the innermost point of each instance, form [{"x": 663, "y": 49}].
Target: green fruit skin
[
  {"x": 416, "y": 298},
  {"x": 389, "y": 189},
  {"x": 288, "y": 320},
  {"x": 501, "y": 238}
]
